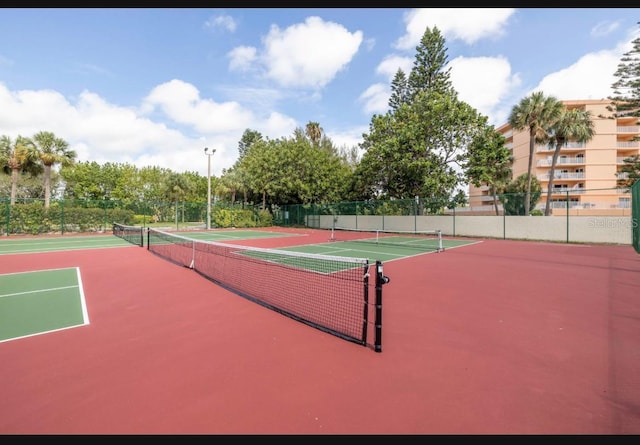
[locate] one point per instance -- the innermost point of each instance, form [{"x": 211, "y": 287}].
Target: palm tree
[
  {"x": 229, "y": 182},
  {"x": 18, "y": 156},
  {"x": 52, "y": 150},
  {"x": 536, "y": 113},
  {"x": 575, "y": 125},
  {"x": 313, "y": 131}
]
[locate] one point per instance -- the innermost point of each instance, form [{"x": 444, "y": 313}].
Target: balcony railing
[
  {"x": 561, "y": 161},
  {"x": 628, "y": 129},
  {"x": 628, "y": 144},
  {"x": 575, "y": 175},
  {"x": 566, "y": 146},
  {"x": 565, "y": 190}
]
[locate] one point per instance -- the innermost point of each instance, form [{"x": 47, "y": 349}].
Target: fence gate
[{"x": 635, "y": 215}]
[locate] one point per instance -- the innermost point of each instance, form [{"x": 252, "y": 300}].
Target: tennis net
[
  {"x": 330, "y": 293},
  {"x": 427, "y": 240},
  {"x": 133, "y": 234}
]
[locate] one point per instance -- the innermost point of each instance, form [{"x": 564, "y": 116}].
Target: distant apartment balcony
[
  {"x": 628, "y": 144},
  {"x": 563, "y": 205},
  {"x": 628, "y": 129},
  {"x": 561, "y": 175},
  {"x": 508, "y": 134},
  {"x": 563, "y": 160},
  {"x": 565, "y": 190},
  {"x": 564, "y": 147},
  {"x": 622, "y": 175}
]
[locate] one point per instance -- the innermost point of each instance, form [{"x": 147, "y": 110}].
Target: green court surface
[
  {"x": 42, "y": 244},
  {"x": 10, "y": 245},
  {"x": 236, "y": 234},
  {"x": 41, "y": 301},
  {"x": 393, "y": 248},
  {"x": 388, "y": 250}
]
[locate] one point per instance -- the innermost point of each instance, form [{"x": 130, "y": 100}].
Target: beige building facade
[{"x": 585, "y": 173}]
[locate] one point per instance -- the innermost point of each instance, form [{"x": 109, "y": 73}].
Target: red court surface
[{"x": 498, "y": 337}]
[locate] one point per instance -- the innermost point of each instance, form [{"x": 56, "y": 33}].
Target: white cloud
[
  {"x": 348, "y": 138},
  {"x": 242, "y": 58},
  {"x": 308, "y": 54},
  {"x": 390, "y": 65},
  {"x": 181, "y": 102},
  {"x": 466, "y": 24},
  {"x": 225, "y": 22},
  {"x": 102, "y": 132},
  {"x": 483, "y": 82},
  {"x": 375, "y": 98},
  {"x": 589, "y": 78},
  {"x": 604, "y": 28}
]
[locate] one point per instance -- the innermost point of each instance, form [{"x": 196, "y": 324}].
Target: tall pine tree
[
  {"x": 429, "y": 70},
  {"x": 626, "y": 103}
]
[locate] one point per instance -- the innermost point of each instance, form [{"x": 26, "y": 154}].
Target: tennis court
[
  {"x": 489, "y": 337},
  {"x": 41, "y": 301},
  {"x": 52, "y": 244}
]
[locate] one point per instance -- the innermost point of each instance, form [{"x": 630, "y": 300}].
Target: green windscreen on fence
[{"x": 635, "y": 215}]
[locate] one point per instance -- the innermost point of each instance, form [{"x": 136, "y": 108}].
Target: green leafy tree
[
  {"x": 293, "y": 170},
  {"x": 176, "y": 188},
  {"x": 515, "y": 195},
  {"x": 17, "y": 156},
  {"x": 29, "y": 186},
  {"x": 126, "y": 182},
  {"x": 52, "y": 150},
  {"x": 418, "y": 147},
  {"x": 230, "y": 183},
  {"x": 489, "y": 162},
  {"x": 536, "y": 113},
  {"x": 151, "y": 180},
  {"x": 261, "y": 167},
  {"x": 572, "y": 125},
  {"x": 418, "y": 150},
  {"x": 109, "y": 181},
  {"x": 249, "y": 137}
]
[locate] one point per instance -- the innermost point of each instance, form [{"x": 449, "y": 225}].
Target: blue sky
[{"x": 153, "y": 87}]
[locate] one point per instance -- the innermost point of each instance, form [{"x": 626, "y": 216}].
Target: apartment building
[{"x": 585, "y": 173}]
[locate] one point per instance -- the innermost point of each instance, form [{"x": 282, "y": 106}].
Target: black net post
[
  {"x": 365, "y": 319},
  {"x": 380, "y": 281},
  {"x": 635, "y": 216}
]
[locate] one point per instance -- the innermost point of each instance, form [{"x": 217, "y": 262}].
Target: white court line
[
  {"x": 37, "y": 290},
  {"x": 85, "y": 313}
]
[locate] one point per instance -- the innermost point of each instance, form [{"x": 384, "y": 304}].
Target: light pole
[{"x": 209, "y": 154}]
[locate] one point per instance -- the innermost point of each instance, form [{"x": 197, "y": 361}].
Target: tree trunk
[
  {"x": 47, "y": 186},
  {"x": 495, "y": 200},
  {"x": 552, "y": 172},
  {"x": 14, "y": 184},
  {"x": 527, "y": 197}
]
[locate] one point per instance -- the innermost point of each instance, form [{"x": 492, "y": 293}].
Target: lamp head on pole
[{"x": 206, "y": 151}]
